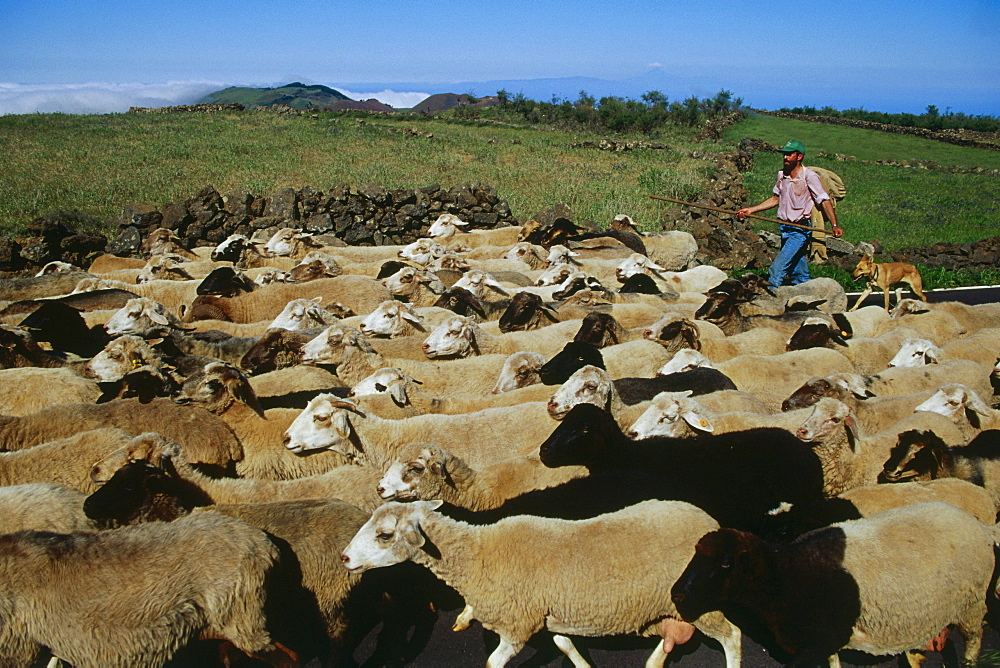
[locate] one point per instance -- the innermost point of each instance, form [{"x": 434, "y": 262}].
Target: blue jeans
[{"x": 789, "y": 266}]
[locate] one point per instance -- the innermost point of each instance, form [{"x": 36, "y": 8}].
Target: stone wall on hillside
[
  {"x": 968, "y": 138},
  {"x": 368, "y": 216},
  {"x": 188, "y": 108}
]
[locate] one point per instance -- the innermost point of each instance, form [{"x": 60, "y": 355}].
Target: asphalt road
[{"x": 437, "y": 645}]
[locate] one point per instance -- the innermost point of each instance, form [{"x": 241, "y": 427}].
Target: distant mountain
[
  {"x": 446, "y": 101},
  {"x": 296, "y": 95},
  {"x": 361, "y": 105}
]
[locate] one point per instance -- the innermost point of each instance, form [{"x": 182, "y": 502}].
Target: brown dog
[{"x": 884, "y": 276}]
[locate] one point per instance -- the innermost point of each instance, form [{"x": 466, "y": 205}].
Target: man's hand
[
  {"x": 837, "y": 231},
  {"x": 744, "y": 212}
]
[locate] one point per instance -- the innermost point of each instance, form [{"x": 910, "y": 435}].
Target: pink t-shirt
[{"x": 796, "y": 196}]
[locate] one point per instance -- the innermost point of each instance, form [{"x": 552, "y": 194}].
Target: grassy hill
[
  {"x": 93, "y": 165},
  {"x": 295, "y": 95}
]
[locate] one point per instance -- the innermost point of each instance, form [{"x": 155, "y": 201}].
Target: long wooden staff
[{"x": 731, "y": 213}]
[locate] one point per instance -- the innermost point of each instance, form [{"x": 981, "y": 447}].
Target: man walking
[{"x": 796, "y": 191}]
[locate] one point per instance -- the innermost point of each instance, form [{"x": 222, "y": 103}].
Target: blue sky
[{"x": 108, "y": 55}]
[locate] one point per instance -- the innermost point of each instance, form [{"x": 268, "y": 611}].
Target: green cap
[{"x": 793, "y": 146}]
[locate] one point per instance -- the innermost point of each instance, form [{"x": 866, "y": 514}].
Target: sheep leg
[
  {"x": 834, "y": 661},
  {"x": 657, "y": 658},
  {"x": 569, "y": 649},
  {"x": 503, "y": 653},
  {"x": 972, "y": 631},
  {"x": 718, "y": 628},
  {"x": 464, "y": 618},
  {"x": 915, "y": 658}
]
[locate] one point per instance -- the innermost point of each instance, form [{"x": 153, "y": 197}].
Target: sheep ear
[
  {"x": 852, "y": 432},
  {"x": 931, "y": 355},
  {"x": 398, "y": 393},
  {"x": 342, "y": 426},
  {"x": 239, "y": 387},
  {"x": 976, "y": 403},
  {"x": 412, "y": 317},
  {"x": 698, "y": 421},
  {"x": 158, "y": 318}
]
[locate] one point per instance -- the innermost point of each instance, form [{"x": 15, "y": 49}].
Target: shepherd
[{"x": 797, "y": 191}]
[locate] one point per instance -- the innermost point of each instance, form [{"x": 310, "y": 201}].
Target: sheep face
[
  {"x": 526, "y": 253},
  {"x": 455, "y": 337},
  {"x": 957, "y": 402},
  {"x": 391, "y": 536},
  {"x": 413, "y": 474},
  {"x": 164, "y": 267},
  {"x": 683, "y": 360},
  {"x": 329, "y": 346},
  {"x": 838, "y": 386},
  {"x": 422, "y": 251},
  {"x": 636, "y": 264},
  {"x": 391, "y": 318},
  {"x": 285, "y": 242},
  {"x": 231, "y": 249},
  {"x": 814, "y": 333},
  {"x": 273, "y": 276},
  {"x": 387, "y": 380},
  {"x": 445, "y": 226},
  {"x": 717, "y": 307},
  {"x": 526, "y": 311},
  {"x": 480, "y": 284},
  {"x": 556, "y": 274},
  {"x": 225, "y": 282},
  {"x": 161, "y": 241},
  {"x": 574, "y": 356},
  {"x": 462, "y": 302},
  {"x": 916, "y": 455},
  {"x": 277, "y": 349},
  {"x": 599, "y": 330},
  {"x": 590, "y": 385},
  {"x": 322, "y": 425},
  {"x": 137, "y": 492},
  {"x": 706, "y": 581},
  {"x": 119, "y": 357},
  {"x": 408, "y": 281},
  {"x": 824, "y": 423},
  {"x": 216, "y": 387},
  {"x": 142, "y": 317},
  {"x": 519, "y": 370},
  {"x": 301, "y": 314},
  {"x": 559, "y": 254},
  {"x": 672, "y": 414},
  {"x": 309, "y": 271},
  {"x": 450, "y": 261},
  {"x": 916, "y": 352}
]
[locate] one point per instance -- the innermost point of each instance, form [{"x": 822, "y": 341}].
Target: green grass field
[{"x": 94, "y": 165}]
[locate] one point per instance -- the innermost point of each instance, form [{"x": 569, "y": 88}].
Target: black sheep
[{"x": 736, "y": 477}]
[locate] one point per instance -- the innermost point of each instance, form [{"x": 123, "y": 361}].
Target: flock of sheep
[{"x": 215, "y": 452}]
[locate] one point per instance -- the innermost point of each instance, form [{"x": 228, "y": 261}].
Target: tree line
[
  {"x": 612, "y": 113},
  {"x": 931, "y": 119}
]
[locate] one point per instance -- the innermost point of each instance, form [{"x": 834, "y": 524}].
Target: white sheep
[
  {"x": 486, "y": 436},
  {"x": 771, "y": 378},
  {"x": 697, "y": 279},
  {"x": 963, "y": 407},
  {"x": 519, "y": 370},
  {"x": 392, "y": 319},
  {"x": 150, "y": 589},
  {"x": 300, "y": 314},
  {"x": 459, "y": 336},
  {"x": 27, "y": 390},
  {"x": 679, "y": 415},
  {"x": 42, "y": 506},
  {"x": 423, "y": 471},
  {"x": 524, "y": 573},
  {"x": 354, "y": 484},
  {"x": 352, "y": 354},
  {"x": 66, "y": 461},
  {"x": 851, "y": 460}
]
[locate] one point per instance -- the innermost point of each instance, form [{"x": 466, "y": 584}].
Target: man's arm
[
  {"x": 769, "y": 203},
  {"x": 831, "y": 215}
]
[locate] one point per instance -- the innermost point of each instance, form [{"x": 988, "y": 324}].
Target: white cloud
[
  {"x": 395, "y": 99},
  {"x": 99, "y": 98}
]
